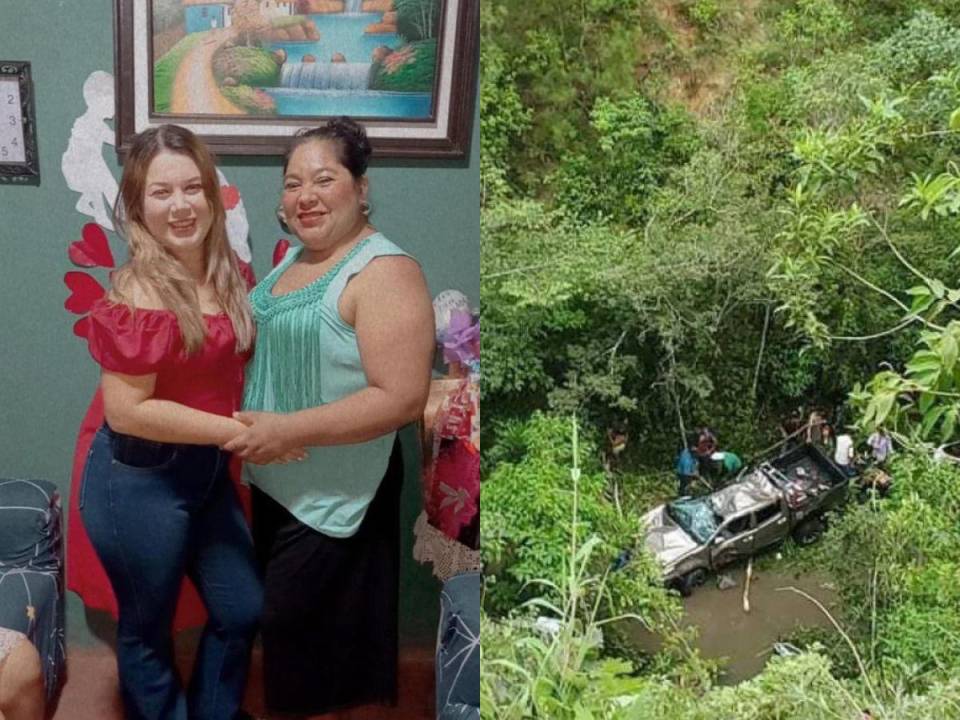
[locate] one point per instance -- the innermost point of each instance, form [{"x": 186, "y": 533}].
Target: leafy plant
[
  {"x": 896, "y": 564},
  {"x": 813, "y": 26},
  {"x": 529, "y": 499},
  {"x": 705, "y": 14},
  {"x": 557, "y": 673}
]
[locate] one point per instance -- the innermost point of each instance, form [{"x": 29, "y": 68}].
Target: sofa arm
[
  {"x": 31, "y": 570},
  {"x": 458, "y": 648}
]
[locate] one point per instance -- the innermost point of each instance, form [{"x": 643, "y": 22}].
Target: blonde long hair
[{"x": 154, "y": 268}]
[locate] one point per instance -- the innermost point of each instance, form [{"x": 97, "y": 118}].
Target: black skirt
[{"x": 329, "y": 626}]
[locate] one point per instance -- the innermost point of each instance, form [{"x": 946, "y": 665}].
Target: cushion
[{"x": 30, "y": 534}]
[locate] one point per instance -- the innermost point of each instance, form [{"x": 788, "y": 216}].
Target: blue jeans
[{"x": 154, "y": 513}]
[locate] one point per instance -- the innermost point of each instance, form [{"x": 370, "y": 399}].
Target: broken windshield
[{"x": 695, "y": 516}]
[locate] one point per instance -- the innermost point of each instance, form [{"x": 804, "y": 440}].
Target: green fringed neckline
[
  {"x": 288, "y": 331},
  {"x": 266, "y": 304}
]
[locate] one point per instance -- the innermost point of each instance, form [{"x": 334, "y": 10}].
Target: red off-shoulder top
[{"x": 144, "y": 342}]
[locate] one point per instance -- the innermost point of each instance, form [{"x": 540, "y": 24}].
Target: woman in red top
[{"x": 172, "y": 337}]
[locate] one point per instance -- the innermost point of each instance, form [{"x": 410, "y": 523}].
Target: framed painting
[{"x": 247, "y": 74}]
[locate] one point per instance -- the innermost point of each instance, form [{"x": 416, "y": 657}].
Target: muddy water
[{"x": 743, "y": 639}]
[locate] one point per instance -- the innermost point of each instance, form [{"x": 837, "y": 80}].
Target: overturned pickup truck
[{"x": 788, "y": 495}]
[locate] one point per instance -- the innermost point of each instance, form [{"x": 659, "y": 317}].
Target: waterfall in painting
[{"x": 326, "y": 76}]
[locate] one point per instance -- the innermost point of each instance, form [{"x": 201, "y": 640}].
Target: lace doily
[
  {"x": 9, "y": 639},
  {"x": 448, "y": 556}
]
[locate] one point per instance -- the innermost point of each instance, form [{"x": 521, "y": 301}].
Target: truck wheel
[
  {"x": 693, "y": 579},
  {"x": 808, "y": 532}
]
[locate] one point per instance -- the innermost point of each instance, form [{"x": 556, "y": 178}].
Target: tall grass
[{"x": 559, "y": 674}]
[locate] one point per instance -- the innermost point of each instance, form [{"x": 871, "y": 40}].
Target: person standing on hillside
[{"x": 687, "y": 467}]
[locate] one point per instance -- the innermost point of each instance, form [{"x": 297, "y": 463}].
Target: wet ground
[{"x": 744, "y": 639}]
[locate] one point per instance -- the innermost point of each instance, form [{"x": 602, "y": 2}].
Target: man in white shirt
[{"x": 843, "y": 455}]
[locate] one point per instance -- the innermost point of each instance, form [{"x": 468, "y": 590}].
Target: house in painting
[
  {"x": 277, "y": 8},
  {"x": 201, "y": 15}
]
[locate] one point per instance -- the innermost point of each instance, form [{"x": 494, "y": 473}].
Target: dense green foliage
[
  {"x": 897, "y": 564},
  {"x": 528, "y": 523},
  {"x": 418, "y": 19},
  {"x": 713, "y": 212},
  {"x": 414, "y": 75},
  {"x": 650, "y": 267}
]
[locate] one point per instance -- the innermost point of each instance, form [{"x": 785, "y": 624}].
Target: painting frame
[{"x": 446, "y": 135}]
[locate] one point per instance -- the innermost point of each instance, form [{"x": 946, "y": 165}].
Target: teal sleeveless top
[{"x": 306, "y": 356}]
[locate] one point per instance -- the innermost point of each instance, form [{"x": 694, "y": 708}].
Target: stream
[{"x": 745, "y": 640}]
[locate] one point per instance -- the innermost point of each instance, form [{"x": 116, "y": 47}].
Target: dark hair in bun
[{"x": 349, "y": 137}]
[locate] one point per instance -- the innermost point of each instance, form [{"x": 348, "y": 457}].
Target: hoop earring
[
  {"x": 365, "y": 208},
  {"x": 282, "y": 219}
]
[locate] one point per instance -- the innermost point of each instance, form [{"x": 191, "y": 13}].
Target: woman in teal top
[{"x": 343, "y": 356}]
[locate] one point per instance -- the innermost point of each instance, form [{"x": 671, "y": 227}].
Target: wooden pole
[{"x": 746, "y": 586}]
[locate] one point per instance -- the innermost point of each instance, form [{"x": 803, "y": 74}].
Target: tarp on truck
[{"x": 752, "y": 491}]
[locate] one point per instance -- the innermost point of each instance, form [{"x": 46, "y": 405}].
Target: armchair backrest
[{"x": 30, "y": 525}]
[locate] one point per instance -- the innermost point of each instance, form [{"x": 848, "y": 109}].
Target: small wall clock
[{"x": 19, "y": 163}]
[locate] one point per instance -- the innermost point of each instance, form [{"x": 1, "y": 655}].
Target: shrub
[
  {"x": 897, "y": 563},
  {"x": 925, "y": 45},
  {"x": 415, "y": 74},
  {"x": 705, "y": 14},
  {"x": 247, "y": 65},
  {"x": 528, "y": 499},
  {"x": 813, "y": 25},
  {"x": 633, "y": 145}
]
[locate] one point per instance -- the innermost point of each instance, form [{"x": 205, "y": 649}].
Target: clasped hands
[{"x": 265, "y": 440}]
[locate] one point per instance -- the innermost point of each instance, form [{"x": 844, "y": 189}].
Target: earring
[
  {"x": 364, "y": 208},
  {"x": 282, "y": 219}
]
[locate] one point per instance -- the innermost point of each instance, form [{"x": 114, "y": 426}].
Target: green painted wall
[{"x": 431, "y": 209}]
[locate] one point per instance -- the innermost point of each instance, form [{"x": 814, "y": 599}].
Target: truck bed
[
  {"x": 812, "y": 461},
  {"x": 804, "y": 474}
]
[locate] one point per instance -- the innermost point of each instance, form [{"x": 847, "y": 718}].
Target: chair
[
  {"x": 31, "y": 571},
  {"x": 458, "y": 649}
]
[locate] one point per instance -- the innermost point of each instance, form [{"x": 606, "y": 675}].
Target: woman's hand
[{"x": 266, "y": 439}]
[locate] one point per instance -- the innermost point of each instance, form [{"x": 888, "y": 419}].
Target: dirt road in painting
[{"x": 194, "y": 88}]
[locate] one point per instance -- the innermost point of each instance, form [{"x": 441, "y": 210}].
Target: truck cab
[{"x": 746, "y": 533}]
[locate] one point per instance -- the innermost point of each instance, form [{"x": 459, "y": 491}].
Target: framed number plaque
[{"x": 19, "y": 163}]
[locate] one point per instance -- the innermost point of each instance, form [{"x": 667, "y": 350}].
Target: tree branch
[
  {"x": 906, "y": 263},
  {"x": 890, "y": 331},
  {"x": 888, "y": 295},
  {"x": 763, "y": 344}
]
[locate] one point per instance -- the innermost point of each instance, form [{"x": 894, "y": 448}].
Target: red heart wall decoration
[
  {"x": 84, "y": 292},
  {"x": 230, "y": 195},
  {"x": 93, "y": 250}
]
